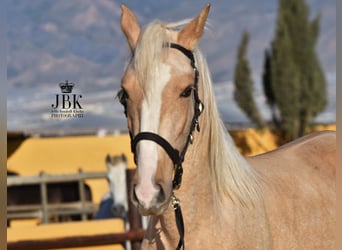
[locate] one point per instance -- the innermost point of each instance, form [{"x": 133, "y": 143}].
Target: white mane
[{"x": 231, "y": 175}]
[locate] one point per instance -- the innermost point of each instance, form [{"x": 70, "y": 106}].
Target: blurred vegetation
[
  {"x": 293, "y": 80},
  {"x": 243, "y": 93}
]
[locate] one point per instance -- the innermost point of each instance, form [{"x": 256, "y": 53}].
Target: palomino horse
[{"x": 283, "y": 199}]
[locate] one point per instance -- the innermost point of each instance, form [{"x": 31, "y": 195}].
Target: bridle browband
[{"x": 175, "y": 155}]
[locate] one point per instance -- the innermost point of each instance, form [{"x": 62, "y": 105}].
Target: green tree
[
  {"x": 267, "y": 86},
  {"x": 243, "y": 93},
  {"x": 293, "y": 80}
]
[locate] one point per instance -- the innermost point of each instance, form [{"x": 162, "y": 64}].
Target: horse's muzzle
[{"x": 150, "y": 202}]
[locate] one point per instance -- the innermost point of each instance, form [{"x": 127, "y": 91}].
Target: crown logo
[{"x": 66, "y": 87}]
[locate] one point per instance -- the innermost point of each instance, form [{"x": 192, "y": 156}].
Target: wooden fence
[
  {"x": 44, "y": 210},
  {"x": 134, "y": 234}
]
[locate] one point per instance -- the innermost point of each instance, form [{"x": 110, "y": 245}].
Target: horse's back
[
  {"x": 298, "y": 181},
  {"x": 316, "y": 151}
]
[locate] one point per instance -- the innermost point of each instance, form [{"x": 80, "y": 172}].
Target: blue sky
[{"x": 81, "y": 41}]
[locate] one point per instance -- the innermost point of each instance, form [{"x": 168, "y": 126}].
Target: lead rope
[{"x": 179, "y": 221}]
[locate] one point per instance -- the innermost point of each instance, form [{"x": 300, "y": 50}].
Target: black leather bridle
[{"x": 175, "y": 155}]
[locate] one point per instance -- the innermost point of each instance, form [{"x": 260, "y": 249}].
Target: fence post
[
  {"x": 82, "y": 193},
  {"x": 43, "y": 196},
  {"x": 134, "y": 217}
]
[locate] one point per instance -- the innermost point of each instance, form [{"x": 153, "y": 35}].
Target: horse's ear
[
  {"x": 191, "y": 34},
  {"x": 123, "y": 157},
  {"x": 108, "y": 160},
  {"x": 130, "y": 26}
]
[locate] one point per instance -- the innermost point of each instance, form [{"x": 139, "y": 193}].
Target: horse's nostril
[
  {"x": 161, "y": 195},
  {"x": 148, "y": 199}
]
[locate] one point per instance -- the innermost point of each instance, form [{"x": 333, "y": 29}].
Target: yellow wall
[{"x": 64, "y": 155}]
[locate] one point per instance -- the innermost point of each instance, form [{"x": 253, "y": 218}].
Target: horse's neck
[
  {"x": 195, "y": 195},
  {"x": 196, "y": 177},
  {"x": 203, "y": 209}
]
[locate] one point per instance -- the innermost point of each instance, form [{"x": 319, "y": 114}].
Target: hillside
[{"x": 81, "y": 41}]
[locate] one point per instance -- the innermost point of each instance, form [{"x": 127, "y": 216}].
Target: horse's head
[
  {"x": 162, "y": 104},
  {"x": 116, "y": 176},
  {"x": 116, "y": 161}
]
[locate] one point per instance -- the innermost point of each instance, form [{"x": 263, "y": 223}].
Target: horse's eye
[
  {"x": 123, "y": 96},
  {"x": 186, "y": 92}
]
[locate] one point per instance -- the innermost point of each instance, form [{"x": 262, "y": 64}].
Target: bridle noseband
[{"x": 175, "y": 155}]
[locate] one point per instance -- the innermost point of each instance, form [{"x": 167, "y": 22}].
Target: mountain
[{"x": 81, "y": 41}]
